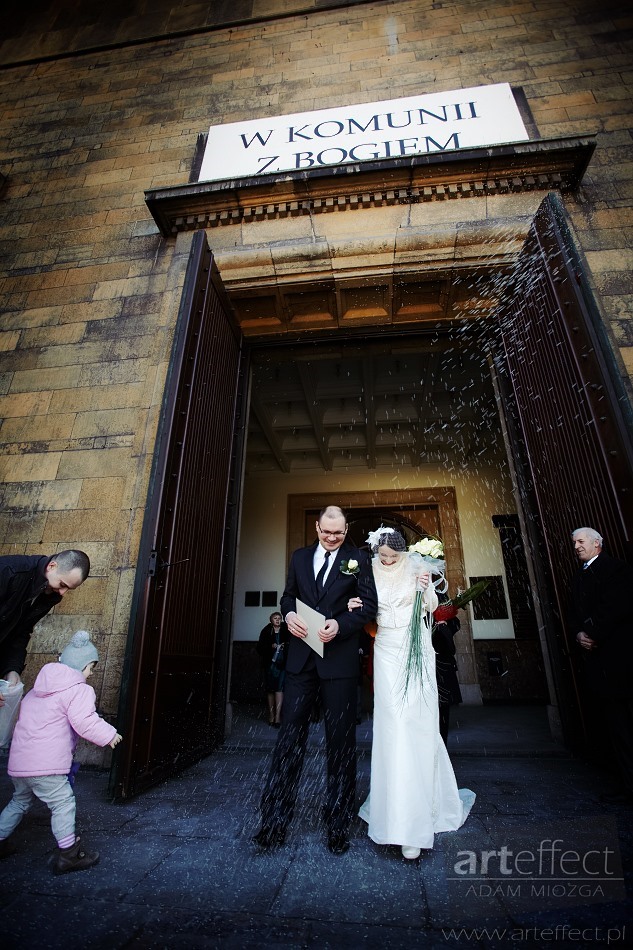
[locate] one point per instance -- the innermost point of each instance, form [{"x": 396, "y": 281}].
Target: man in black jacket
[
  {"x": 448, "y": 691},
  {"x": 30, "y": 586},
  {"x": 324, "y": 576},
  {"x": 601, "y": 624}
]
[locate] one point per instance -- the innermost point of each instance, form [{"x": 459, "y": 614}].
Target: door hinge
[{"x": 156, "y": 564}]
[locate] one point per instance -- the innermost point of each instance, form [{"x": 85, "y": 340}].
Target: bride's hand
[
  {"x": 354, "y": 602},
  {"x": 423, "y": 580}
]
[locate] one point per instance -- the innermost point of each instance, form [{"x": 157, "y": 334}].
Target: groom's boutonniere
[{"x": 351, "y": 567}]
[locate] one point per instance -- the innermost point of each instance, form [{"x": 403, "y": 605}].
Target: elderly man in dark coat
[{"x": 601, "y": 623}]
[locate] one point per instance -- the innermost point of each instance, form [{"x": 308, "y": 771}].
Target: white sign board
[{"x": 417, "y": 125}]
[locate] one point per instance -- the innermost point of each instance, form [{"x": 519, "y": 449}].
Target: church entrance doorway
[{"x": 478, "y": 402}]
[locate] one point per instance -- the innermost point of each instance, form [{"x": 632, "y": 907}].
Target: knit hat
[{"x": 79, "y": 652}]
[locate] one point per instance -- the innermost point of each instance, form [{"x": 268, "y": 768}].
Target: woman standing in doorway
[
  {"x": 413, "y": 792},
  {"x": 272, "y": 650}
]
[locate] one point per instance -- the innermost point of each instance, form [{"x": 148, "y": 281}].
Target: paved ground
[{"x": 178, "y": 869}]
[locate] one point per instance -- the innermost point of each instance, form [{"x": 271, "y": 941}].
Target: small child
[{"x": 59, "y": 708}]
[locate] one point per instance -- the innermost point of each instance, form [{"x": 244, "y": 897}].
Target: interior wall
[{"x": 263, "y": 558}]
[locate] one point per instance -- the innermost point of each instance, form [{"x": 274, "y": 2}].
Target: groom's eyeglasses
[{"x": 335, "y": 535}]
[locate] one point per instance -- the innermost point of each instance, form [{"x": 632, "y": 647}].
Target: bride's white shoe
[{"x": 410, "y": 853}]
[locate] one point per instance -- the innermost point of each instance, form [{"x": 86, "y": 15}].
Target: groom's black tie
[{"x": 321, "y": 575}]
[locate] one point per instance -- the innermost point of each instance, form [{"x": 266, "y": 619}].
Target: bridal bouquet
[
  {"x": 428, "y": 556},
  {"x": 428, "y": 547}
]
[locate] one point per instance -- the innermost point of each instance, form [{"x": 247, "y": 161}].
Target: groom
[{"x": 324, "y": 576}]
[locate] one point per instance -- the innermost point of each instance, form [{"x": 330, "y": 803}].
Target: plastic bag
[{"x": 9, "y": 712}]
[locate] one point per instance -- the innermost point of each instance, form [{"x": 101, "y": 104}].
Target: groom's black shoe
[
  {"x": 337, "y": 842},
  {"x": 267, "y": 838}
]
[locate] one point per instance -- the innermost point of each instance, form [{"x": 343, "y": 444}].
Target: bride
[{"x": 413, "y": 792}]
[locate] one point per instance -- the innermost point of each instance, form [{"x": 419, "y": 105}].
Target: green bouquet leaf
[{"x": 462, "y": 599}]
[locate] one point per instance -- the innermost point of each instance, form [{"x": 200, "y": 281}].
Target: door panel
[
  {"x": 170, "y": 711},
  {"x": 570, "y": 439}
]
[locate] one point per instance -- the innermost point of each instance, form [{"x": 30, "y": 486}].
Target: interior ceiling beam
[
  {"x": 306, "y": 376},
  {"x": 428, "y": 369},
  {"x": 386, "y": 345},
  {"x": 268, "y": 430},
  {"x": 369, "y": 395}
]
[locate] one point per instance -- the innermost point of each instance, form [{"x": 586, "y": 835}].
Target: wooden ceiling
[
  {"x": 371, "y": 405},
  {"x": 275, "y": 308}
]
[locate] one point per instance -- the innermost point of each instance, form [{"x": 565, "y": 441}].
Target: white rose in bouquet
[{"x": 428, "y": 547}]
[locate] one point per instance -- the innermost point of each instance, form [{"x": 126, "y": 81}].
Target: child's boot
[{"x": 74, "y": 859}]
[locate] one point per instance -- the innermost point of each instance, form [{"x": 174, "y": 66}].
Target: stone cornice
[{"x": 541, "y": 165}]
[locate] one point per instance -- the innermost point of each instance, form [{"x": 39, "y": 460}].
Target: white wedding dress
[{"x": 413, "y": 791}]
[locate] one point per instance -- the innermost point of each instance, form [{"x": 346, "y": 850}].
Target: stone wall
[{"x": 48, "y": 30}]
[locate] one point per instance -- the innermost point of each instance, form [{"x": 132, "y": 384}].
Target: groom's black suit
[{"x": 337, "y": 676}]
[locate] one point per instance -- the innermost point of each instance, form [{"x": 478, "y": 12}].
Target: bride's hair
[
  {"x": 389, "y": 536},
  {"x": 392, "y": 539}
]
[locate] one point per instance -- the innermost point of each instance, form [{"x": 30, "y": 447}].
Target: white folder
[{"x": 315, "y": 622}]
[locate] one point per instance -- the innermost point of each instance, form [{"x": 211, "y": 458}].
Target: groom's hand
[
  {"x": 297, "y": 626},
  {"x": 329, "y": 631}
]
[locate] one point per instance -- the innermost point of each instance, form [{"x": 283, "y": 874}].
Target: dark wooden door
[
  {"x": 569, "y": 430},
  {"x": 174, "y": 687}
]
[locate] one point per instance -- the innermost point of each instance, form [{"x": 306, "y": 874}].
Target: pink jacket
[{"x": 60, "y": 707}]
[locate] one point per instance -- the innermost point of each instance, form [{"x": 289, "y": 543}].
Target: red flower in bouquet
[
  {"x": 448, "y": 610},
  {"x": 444, "y": 612}
]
